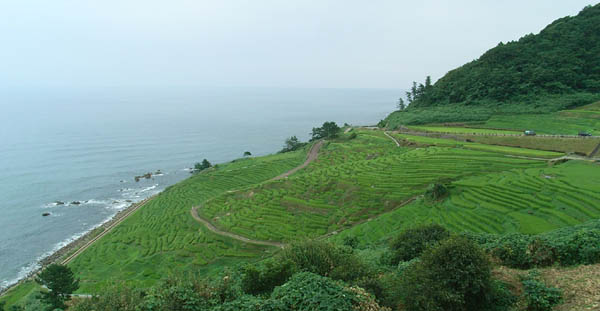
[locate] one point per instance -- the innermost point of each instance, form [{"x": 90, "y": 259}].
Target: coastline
[{"x": 71, "y": 247}]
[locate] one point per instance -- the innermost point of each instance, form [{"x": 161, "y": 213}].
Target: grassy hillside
[
  {"x": 362, "y": 186},
  {"x": 162, "y": 237},
  {"x": 352, "y": 181}
]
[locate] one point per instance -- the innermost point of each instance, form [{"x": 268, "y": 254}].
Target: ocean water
[{"x": 87, "y": 146}]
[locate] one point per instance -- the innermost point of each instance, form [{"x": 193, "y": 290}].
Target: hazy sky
[{"x": 284, "y": 43}]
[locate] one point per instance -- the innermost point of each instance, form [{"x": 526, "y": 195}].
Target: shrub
[
  {"x": 114, "y": 297},
  {"x": 456, "y": 275},
  {"x": 513, "y": 251},
  {"x": 308, "y": 291},
  {"x": 567, "y": 246},
  {"x": 412, "y": 242},
  {"x": 540, "y": 297},
  {"x": 262, "y": 278},
  {"x": 250, "y": 303},
  {"x": 178, "y": 294},
  {"x": 326, "y": 259},
  {"x": 436, "y": 192}
]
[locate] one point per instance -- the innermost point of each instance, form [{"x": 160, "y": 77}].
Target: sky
[{"x": 230, "y": 43}]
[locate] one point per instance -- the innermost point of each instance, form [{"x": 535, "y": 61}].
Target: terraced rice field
[
  {"x": 567, "y": 122},
  {"x": 461, "y": 130},
  {"x": 352, "y": 181},
  {"x": 162, "y": 238},
  {"x": 530, "y": 201},
  {"x": 477, "y": 146}
]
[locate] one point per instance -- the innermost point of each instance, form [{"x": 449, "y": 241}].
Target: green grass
[
  {"x": 566, "y": 122},
  {"x": 461, "y": 130},
  {"x": 567, "y": 145},
  {"x": 163, "y": 238},
  {"x": 478, "y": 146},
  {"x": 529, "y": 201},
  {"x": 19, "y": 293},
  {"x": 351, "y": 182}
]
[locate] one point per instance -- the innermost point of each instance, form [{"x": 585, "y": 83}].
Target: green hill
[{"x": 557, "y": 69}]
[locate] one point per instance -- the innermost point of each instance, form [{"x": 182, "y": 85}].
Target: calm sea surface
[{"x": 87, "y": 146}]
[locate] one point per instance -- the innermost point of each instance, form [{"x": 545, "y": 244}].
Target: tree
[
  {"x": 247, "y": 153},
  {"x": 401, "y": 104},
  {"x": 456, "y": 275},
  {"x": 61, "y": 283},
  {"x": 328, "y": 130},
  {"x": 292, "y": 144},
  {"x": 202, "y": 166}
]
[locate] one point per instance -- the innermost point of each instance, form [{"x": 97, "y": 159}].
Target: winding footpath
[{"x": 312, "y": 155}]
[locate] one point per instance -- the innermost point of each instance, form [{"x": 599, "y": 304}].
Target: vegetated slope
[
  {"x": 556, "y": 69},
  {"x": 579, "y": 145},
  {"x": 162, "y": 237},
  {"x": 533, "y": 200},
  {"x": 352, "y": 181},
  {"x": 569, "y": 122}
]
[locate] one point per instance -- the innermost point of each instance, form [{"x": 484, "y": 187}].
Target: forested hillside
[{"x": 556, "y": 69}]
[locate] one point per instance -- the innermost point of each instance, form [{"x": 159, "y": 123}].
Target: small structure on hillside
[{"x": 529, "y": 133}]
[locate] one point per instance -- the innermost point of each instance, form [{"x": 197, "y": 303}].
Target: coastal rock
[
  {"x": 46, "y": 214},
  {"x": 128, "y": 201},
  {"x": 147, "y": 176},
  {"x": 59, "y": 203},
  {"x": 75, "y": 203}
]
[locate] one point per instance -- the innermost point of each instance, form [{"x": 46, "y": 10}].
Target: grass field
[
  {"x": 477, "y": 146},
  {"x": 567, "y": 122},
  {"x": 352, "y": 181},
  {"x": 357, "y": 187},
  {"x": 162, "y": 237},
  {"x": 582, "y": 146},
  {"x": 533, "y": 200},
  {"x": 461, "y": 130}
]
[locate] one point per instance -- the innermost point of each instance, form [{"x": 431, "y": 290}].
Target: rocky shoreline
[{"x": 60, "y": 254}]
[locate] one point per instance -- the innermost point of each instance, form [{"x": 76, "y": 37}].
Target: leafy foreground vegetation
[{"x": 437, "y": 270}]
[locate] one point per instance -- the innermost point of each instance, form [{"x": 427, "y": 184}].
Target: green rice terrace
[
  {"x": 162, "y": 237},
  {"x": 366, "y": 183}
]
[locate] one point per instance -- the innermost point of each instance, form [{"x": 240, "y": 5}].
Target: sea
[{"x": 73, "y": 154}]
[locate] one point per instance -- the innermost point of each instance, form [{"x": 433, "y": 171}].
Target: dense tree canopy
[{"x": 562, "y": 59}]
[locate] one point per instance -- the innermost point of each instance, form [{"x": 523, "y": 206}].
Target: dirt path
[
  {"x": 106, "y": 231},
  {"x": 234, "y": 236},
  {"x": 392, "y": 138},
  {"x": 312, "y": 155}
]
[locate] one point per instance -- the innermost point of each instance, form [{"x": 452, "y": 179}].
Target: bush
[
  {"x": 115, "y": 297},
  {"x": 567, "y": 246},
  {"x": 435, "y": 192},
  {"x": 308, "y": 291},
  {"x": 540, "y": 297},
  {"x": 179, "y": 294},
  {"x": 262, "y": 278},
  {"x": 412, "y": 242},
  {"x": 327, "y": 259},
  {"x": 250, "y": 303},
  {"x": 456, "y": 275}
]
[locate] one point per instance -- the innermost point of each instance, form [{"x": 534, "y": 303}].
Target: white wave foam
[
  {"x": 97, "y": 202},
  {"x": 148, "y": 188}
]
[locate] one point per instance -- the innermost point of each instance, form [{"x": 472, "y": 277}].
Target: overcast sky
[{"x": 283, "y": 43}]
